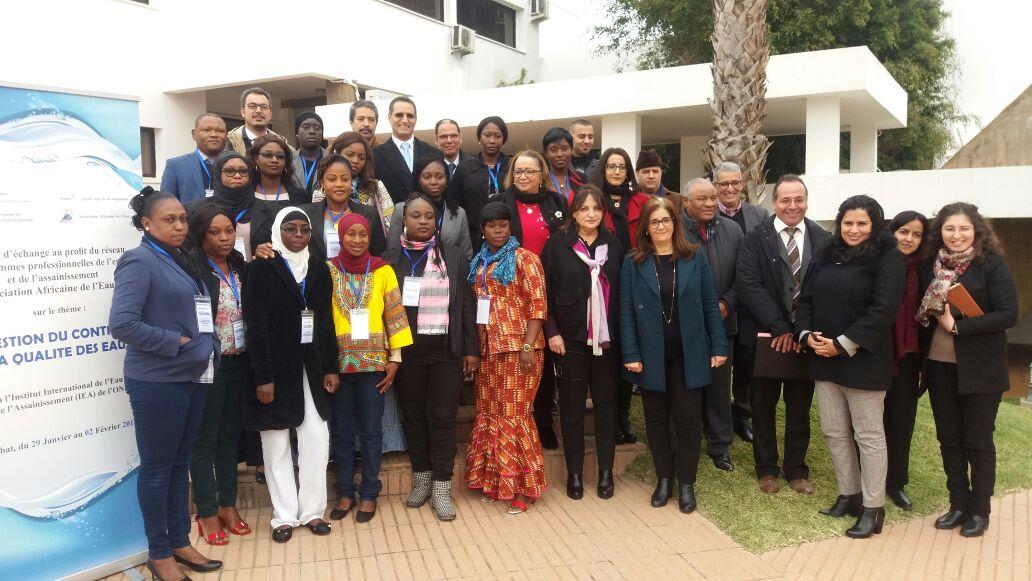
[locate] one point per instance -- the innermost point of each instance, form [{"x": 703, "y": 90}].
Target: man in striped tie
[{"x": 772, "y": 266}]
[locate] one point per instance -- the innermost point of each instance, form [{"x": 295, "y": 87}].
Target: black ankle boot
[
  {"x": 950, "y": 520},
  {"x": 686, "y": 498},
  {"x": 662, "y": 493},
  {"x": 575, "y": 486},
  {"x": 975, "y": 526},
  {"x": 850, "y": 504},
  {"x": 624, "y": 432},
  {"x": 869, "y": 523},
  {"x": 606, "y": 487}
]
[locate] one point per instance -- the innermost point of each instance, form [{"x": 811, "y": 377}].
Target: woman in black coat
[
  {"x": 294, "y": 358},
  {"x": 846, "y": 311},
  {"x": 966, "y": 357},
  {"x": 582, "y": 274},
  {"x": 433, "y": 367}
]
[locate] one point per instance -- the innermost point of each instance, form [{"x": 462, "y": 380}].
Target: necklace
[{"x": 673, "y": 290}]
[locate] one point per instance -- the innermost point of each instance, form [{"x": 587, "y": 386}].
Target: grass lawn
[{"x": 762, "y": 522}]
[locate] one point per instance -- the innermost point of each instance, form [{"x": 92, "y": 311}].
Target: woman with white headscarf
[{"x": 294, "y": 357}]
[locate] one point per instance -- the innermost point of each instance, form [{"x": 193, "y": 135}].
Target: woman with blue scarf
[{"x": 504, "y": 458}]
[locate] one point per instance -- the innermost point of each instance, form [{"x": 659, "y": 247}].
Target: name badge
[
  {"x": 483, "y": 310},
  {"x": 209, "y": 374},
  {"x": 205, "y": 324},
  {"x": 209, "y": 193},
  {"x": 240, "y": 247},
  {"x": 410, "y": 296},
  {"x": 307, "y": 326},
  {"x": 238, "y": 334},
  {"x": 359, "y": 324},
  {"x": 332, "y": 245}
]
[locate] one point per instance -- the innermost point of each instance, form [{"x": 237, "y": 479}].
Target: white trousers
[
  {"x": 291, "y": 505},
  {"x": 852, "y": 420}
]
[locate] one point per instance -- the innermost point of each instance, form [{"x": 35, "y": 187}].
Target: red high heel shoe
[
  {"x": 240, "y": 528},
  {"x": 216, "y": 539}
]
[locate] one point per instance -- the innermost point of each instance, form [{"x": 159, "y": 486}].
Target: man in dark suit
[
  {"x": 394, "y": 158},
  {"x": 188, "y": 176},
  {"x": 449, "y": 141},
  {"x": 727, "y": 177},
  {"x": 773, "y": 263}
]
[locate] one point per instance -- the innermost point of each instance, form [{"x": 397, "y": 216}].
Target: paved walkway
[{"x": 622, "y": 538}]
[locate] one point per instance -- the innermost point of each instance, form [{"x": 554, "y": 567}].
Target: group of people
[{"x": 301, "y": 294}]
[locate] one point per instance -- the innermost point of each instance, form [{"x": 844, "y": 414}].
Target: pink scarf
[
  {"x": 948, "y": 267},
  {"x": 598, "y": 302}
]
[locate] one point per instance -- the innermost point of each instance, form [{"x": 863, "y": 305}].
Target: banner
[{"x": 68, "y": 458}]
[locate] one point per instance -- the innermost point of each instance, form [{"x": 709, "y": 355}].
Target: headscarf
[
  {"x": 354, "y": 264},
  {"x": 297, "y": 262},
  {"x": 233, "y": 200},
  {"x": 948, "y": 267}
]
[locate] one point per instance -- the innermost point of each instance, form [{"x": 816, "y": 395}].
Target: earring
[{"x": 147, "y": 228}]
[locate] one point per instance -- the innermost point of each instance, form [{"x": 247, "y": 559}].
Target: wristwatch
[
  {"x": 953, "y": 329},
  {"x": 526, "y": 347}
]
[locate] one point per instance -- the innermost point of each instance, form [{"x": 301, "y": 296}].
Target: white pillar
[
  {"x": 822, "y": 136},
  {"x": 691, "y": 158},
  {"x": 622, "y": 130},
  {"x": 863, "y": 148}
]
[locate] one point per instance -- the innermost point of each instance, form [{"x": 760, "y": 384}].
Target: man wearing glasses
[{"x": 256, "y": 109}]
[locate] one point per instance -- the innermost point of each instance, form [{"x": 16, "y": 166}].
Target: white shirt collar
[
  {"x": 250, "y": 135},
  {"x": 455, "y": 161},
  {"x": 780, "y": 226},
  {"x": 410, "y": 141}
]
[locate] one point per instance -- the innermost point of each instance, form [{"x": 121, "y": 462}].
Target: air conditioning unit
[
  {"x": 462, "y": 39},
  {"x": 538, "y": 10}
]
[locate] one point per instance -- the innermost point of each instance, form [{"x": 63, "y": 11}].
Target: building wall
[{"x": 1005, "y": 141}]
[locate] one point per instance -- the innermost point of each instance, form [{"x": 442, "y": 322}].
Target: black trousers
[
  {"x": 964, "y": 425},
  {"x": 544, "y": 401},
  {"x": 900, "y": 412},
  {"x": 624, "y": 391},
  {"x": 581, "y": 372},
  {"x": 742, "y": 359},
  {"x": 429, "y": 399},
  {"x": 764, "y": 394},
  {"x": 716, "y": 418},
  {"x": 684, "y": 406}
]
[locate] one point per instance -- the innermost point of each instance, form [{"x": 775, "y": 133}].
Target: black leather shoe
[
  {"x": 974, "y": 527},
  {"x": 850, "y": 504},
  {"x": 869, "y": 523},
  {"x": 606, "y": 487},
  {"x": 321, "y": 528},
  {"x": 259, "y": 477},
  {"x": 900, "y": 499},
  {"x": 363, "y": 516},
  {"x": 662, "y": 493},
  {"x": 575, "y": 486},
  {"x": 950, "y": 520},
  {"x": 686, "y": 499},
  {"x": 723, "y": 462},
  {"x": 339, "y": 513},
  {"x": 156, "y": 577},
  {"x": 625, "y": 432},
  {"x": 282, "y": 534},
  {"x": 205, "y": 567},
  {"x": 743, "y": 430}
]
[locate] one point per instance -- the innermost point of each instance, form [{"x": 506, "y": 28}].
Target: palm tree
[{"x": 740, "y": 54}]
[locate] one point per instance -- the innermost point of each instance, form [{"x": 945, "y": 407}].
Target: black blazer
[
  {"x": 859, "y": 300},
  {"x": 317, "y": 214},
  {"x": 272, "y": 313},
  {"x": 462, "y": 305},
  {"x": 392, "y": 170},
  {"x": 981, "y": 342},
  {"x": 553, "y": 210},
  {"x": 760, "y": 278},
  {"x": 471, "y": 187},
  {"x": 260, "y": 215},
  {"x": 567, "y": 280}
]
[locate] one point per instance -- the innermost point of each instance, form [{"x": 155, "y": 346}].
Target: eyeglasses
[
  {"x": 729, "y": 184},
  {"x": 257, "y": 106},
  {"x": 525, "y": 172},
  {"x": 616, "y": 167},
  {"x": 270, "y": 155},
  {"x": 664, "y": 222},
  {"x": 230, "y": 172},
  {"x": 291, "y": 229}
]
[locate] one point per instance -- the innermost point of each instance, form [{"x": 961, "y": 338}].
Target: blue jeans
[
  {"x": 358, "y": 408},
  {"x": 166, "y": 416}
]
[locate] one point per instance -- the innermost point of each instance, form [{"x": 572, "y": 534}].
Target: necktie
[
  {"x": 451, "y": 169},
  {"x": 406, "y": 152},
  {"x": 795, "y": 264}
]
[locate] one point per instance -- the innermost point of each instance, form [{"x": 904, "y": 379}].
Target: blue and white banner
[{"x": 68, "y": 166}]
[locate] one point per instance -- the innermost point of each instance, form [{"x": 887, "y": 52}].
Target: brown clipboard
[
  {"x": 961, "y": 299},
  {"x": 772, "y": 364}
]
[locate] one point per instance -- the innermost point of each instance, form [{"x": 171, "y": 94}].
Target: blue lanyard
[
  {"x": 493, "y": 173},
  {"x": 556, "y": 184},
  {"x": 160, "y": 250},
  {"x": 204, "y": 166},
  {"x": 231, "y": 282},
  {"x": 241, "y": 215},
  {"x": 483, "y": 285},
  {"x": 278, "y": 191},
  {"x": 415, "y": 263},
  {"x": 334, "y": 218},
  {"x": 304, "y": 281},
  {"x": 309, "y": 172},
  {"x": 357, "y": 290}
]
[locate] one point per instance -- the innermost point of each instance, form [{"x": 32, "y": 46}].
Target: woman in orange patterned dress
[{"x": 504, "y": 458}]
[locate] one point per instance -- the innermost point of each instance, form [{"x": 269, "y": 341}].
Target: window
[
  {"x": 148, "y": 159},
  {"x": 432, "y": 8},
  {"x": 489, "y": 19}
]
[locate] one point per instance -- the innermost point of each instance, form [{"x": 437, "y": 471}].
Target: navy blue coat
[
  {"x": 641, "y": 322},
  {"x": 151, "y": 308},
  {"x": 184, "y": 178}
]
